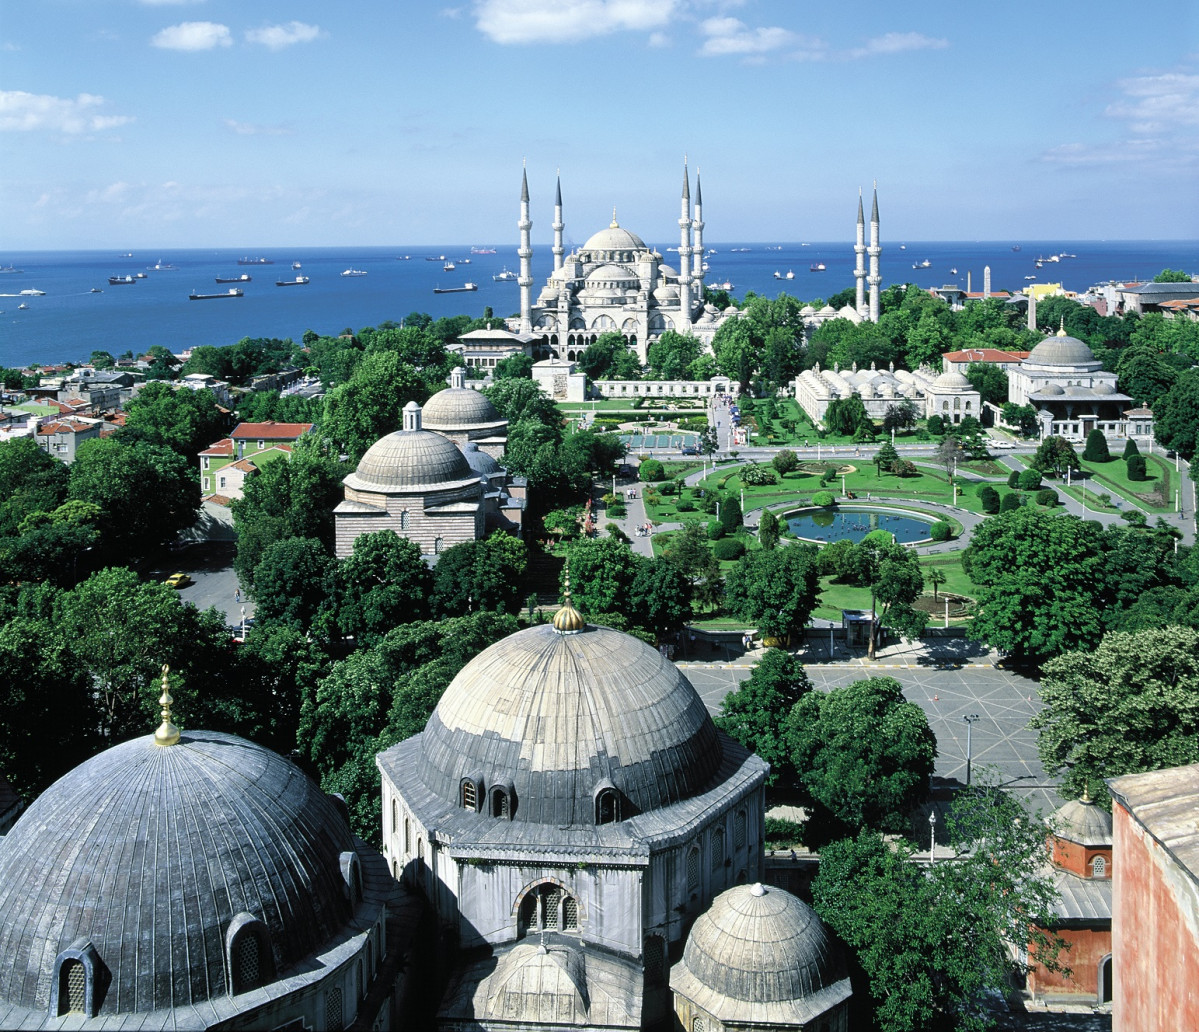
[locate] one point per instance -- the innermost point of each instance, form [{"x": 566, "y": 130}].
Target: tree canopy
[{"x": 774, "y": 590}]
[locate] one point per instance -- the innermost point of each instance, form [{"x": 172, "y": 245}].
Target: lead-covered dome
[
  {"x": 565, "y": 716},
  {"x": 761, "y": 948},
  {"x": 150, "y": 852},
  {"x": 951, "y": 379},
  {"x": 1061, "y": 350},
  {"x": 410, "y": 460},
  {"x": 459, "y": 408},
  {"x": 1081, "y": 821}
]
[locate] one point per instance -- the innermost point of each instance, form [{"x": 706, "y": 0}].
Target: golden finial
[
  {"x": 568, "y": 620},
  {"x": 614, "y": 224},
  {"x": 1086, "y": 793},
  {"x": 167, "y": 733},
  {"x": 1061, "y": 330}
]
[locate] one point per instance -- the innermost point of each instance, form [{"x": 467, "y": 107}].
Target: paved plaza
[{"x": 1000, "y": 739}]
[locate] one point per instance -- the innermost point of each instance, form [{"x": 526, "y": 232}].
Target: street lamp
[
  {"x": 243, "y": 623},
  {"x": 970, "y": 719},
  {"x": 932, "y": 836}
]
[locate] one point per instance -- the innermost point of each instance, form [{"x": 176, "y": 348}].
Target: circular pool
[{"x": 854, "y": 524}]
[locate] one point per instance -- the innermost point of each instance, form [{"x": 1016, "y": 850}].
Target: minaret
[
  {"x": 986, "y": 281},
  {"x": 559, "y": 225},
  {"x": 859, "y": 270},
  {"x": 875, "y": 278},
  {"x": 685, "y": 255},
  {"x": 525, "y": 253},
  {"x": 697, "y": 224}
]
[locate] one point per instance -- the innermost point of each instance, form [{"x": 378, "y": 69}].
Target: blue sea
[{"x": 69, "y": 321}]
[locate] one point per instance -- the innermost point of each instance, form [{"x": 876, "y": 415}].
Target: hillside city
[{"x": 652, "y": 657}]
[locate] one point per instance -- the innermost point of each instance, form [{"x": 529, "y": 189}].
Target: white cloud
[
  {"x": 1158, "y": 103},
  {"x": 277, "y": 37},
  {"x": 658, "y": 40},
  {"x": 731, "y": 37},
  {"x": 556, "y": 21},
  {"x": 898, "y": 43},
  {"x": 26, "y": 112},
  {"x": 251, "y": 129},
  {"x": 193, "y": 36}
]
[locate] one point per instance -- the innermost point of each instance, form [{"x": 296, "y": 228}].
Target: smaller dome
[
  {"x": 807, "y": 311},
  {"x": 610, "y": 274},
  {"x": 1077, "y": 392},
  {"x": 668, "y": 292},
  {"x": 479, "y": 461},
  {"x": 458, "y": 408},
  {"x": 531, "y": 975},
  {"x": 828, "y": 310},
  {"x": 951, "y": 379},
  {"x": 1081, "y": 821},
  {"x": 1049, "y": 388},
  {"x": 1103, "y": 388},
  {"x": 762, "y": 945}
]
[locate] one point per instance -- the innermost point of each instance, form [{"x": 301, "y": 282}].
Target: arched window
[
  {"x": 693, "y": 869},
  {"x": 547, "y": 908},
  {"x": 717, "y": 848},
  {"x": 739, "y": 830},
  {"x": 470, "y": 800},
  {"x": 72, "y": 988},
  {"x": 251, "y": 964},
  {"x": 655, "y": 959},
  {"x": 334, "y": 1011},
  {"x": 405, "y": 523},
  {"x": 395, "y": 816},
  {"x": 1099, "y": 867},
  {"x": 607, "y": 805},
  {"x": 698, "y": 1024},
  {"x": 501, "y": 802},
  {"x": 438, "y": 544},
  {"x": 407, "y": 837},
  {"x": 351, "y": 873}
]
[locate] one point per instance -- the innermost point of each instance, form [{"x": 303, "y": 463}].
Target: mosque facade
[
  {"x": 615, "y": 283},
  {"x": 948, "y": 395}
]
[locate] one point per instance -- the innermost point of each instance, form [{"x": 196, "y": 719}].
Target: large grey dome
[
  {"x": 1081, "y": 821},
  {"x": 614, "y": 238},
  {"x": 761, "y": 946},
  {"x": 409, "y": 460},
  {"x": 458, "y": 408},
  {"x": 562, "y": 715},
  {"x": 151, "y": 851},
  {"x": 1061, "y": 350}
]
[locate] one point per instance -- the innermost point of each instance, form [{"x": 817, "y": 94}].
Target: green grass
[{"x": 1112, "y": 478}]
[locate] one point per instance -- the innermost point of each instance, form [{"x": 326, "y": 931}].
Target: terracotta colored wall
[
  {"x": 1155, "y": 935},
  {"x": 1075, "y": 858},
  {"x": 1088, "y": 946}
]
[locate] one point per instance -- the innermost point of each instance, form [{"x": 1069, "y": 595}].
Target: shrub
[
  {"x": 989, "y": 498},
  {"x": 1096, "y": 449},
  {"x": 1013, "y": 500},
  {"x": 730, "y": 514},
  {"x": 617, "y": 509},
  {"x": 715, "y": 530},
  {"x": 831, "y": 557},
  {"x": 670, "y": 487},
  {"x": 614, "y": 531},
  {"x": 1029, "y": 479},
  {"x": 823, "y": 499},
  {"x": 1134, "y": 518},
  {"x": 936, "y": 425},
  {"x": 786, "y": 461},
  {"x": 754, "y": 475},
  {"x": 1047, "y": 497},
  {"x": 1135, "y": 465},
  {"x": 728, "y": 548},
  {"x": 651, "y": 469},
  {"x": 942, "y": 530},
  {"x": 1013, "y": 479},
  {"x": 1130, "y": 449},
  {"x": 686, "y": 505},
  {"x": 782, "y": 834}
]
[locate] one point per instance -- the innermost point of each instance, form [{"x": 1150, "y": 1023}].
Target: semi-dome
[
  {"x": 1060, "y": 350},
  {"x": 458, "y": 408},
  {"x": 152, "y": 853},
  {"x": 1103, "y": 388},
  {"x": 410, "y": 460},
  {"x": 479, "y": 461},
  {"x": 760, "y": 946},
  {"x": 1050, "y": 388},
  {"x": 1081, "y": 821},
  {"x": 614, "y": 238},
  {"x": 610, "y": 274},
  {"x": 564, "y": 716},
  {"x": 951, "y": 379}
]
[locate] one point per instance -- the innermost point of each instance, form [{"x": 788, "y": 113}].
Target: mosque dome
[
  {"x": 608, "y": 274},
  {"x": 1103, "y": 388},
  {"x": 410, "y": 459},
  {"x": 1081, "y": 821},
  {"x": 479, "y": 461},
  {"x": 1060, "y": 350},
  {"x": 951, "y": 379},
  {"x": 807, "y": 311},
  {"x": 1049, "y": 388},
  {"x": 155, "y": 854},
  {"x": 564, "y": 713},
  {"x": 667, "y": 292},
  {"x": 761, "y": 947},
  {"x": 614, "y": 238},
  {"x": 1075, "y": 391},
  {"x": 458, "y": 408}
]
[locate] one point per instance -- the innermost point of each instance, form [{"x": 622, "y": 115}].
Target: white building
[{"x": 948, "y": 395}]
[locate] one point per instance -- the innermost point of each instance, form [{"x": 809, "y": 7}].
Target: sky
[{"x": 239, "y": 123}]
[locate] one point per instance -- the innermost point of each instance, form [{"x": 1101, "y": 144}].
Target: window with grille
[
  {"x": 245, "y": 963},
  {"x": 699, "y": 1025},
  {"x": 404, "y": 520},
  {"x": 72, "y": 993},
  {"x": 470, "y": 798},
  {"x": 1099, "y": 867},
  {"x": 550, "y": 908},
  {"x": 334, "y": 1018},
  {"x": 438, "y": 543},
  {"x": 570, "y": 913},
  {"x": 655, "y": 959},
  {"x": 717, "y": 848},
  {"x": 739, "y": 829},
  {"x": 693, "y": 870}
]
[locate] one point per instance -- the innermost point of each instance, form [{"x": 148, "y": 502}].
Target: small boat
[
  {"x": 438, "y": 258},
  {"x": 161, "y": 266},
  {"x": 255, "y": 261},
  {"x": 22, "y": 305},
  {"x": 463, "y": 261},
  {"x": 456, "y": 290},
  {"x": 953, "y": 271},
  {"x": 926, "y": 264},
  {"x": 790, "y": 274},
  {"x": 505, "y": 275},
  {"x": 231, "y": 292},
  {"x": 299, "y": 281},
  {"x": 139, "y": 275},
  {"x": 31, "y": 292},
  {"x": 116, "y": 281},
  {"x": 448, "y": 267},
  {"x": 482, "y": 250},
  {"x": 817, "y": 267},
  {"x": 903, "y": 247},
  {"x": 777, "y": 274},
  {"x": 245, "y": 277},
  {"x": 95, "y": 290},
  {"x": 127, "y": 254},
  {"x": 1015, "y": 247},
  {"x": 295, "y": 265},
  {"x": 726, "y": 285},
  {"x": 1030, "y": 277},
  {"x": 403, "y": 257},
  {"x": 9, "y": 269},
  {"x": 354, "y": 272}
]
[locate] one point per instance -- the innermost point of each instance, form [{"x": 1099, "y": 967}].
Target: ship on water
[
  {"x": 245, "y": 277},
  {"x": 116, "y": 281},
  {"x": 231, "y": 292},
  {"x": 255, "y": 261},
  {"x": 299, "y": 281},
  {"x": 456, "y": 290}
]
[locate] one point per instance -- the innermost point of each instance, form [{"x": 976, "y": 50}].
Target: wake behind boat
[
  {"x": 456, "y": 290},
  {"x": 231, "y": 292},
  {"x": 354, "y": 272}
]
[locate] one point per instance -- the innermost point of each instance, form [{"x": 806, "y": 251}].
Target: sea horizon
[{"x": 80, "y": 312}]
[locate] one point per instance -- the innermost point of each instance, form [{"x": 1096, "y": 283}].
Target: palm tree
[{"x": 934, "y": 576}]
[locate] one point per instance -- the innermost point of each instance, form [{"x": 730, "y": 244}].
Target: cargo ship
[
  {"x": 231, "y": 292},
  {"x": 255, "y": 261},
  {"x": 245, "y": 277},
  {"x": 299, "y": 281},
  {"x": 116, "y": 281},
  {"x": 456, "y": 290}
]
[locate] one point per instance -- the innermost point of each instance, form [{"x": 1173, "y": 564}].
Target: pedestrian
[{"x": 237, "y": 594}]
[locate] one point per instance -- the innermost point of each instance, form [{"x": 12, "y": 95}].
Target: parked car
[{"x": 178, "y": 580}]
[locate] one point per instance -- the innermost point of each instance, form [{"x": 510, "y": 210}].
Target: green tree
[
  {"x": 905, "y": 922},
  {"x": 183, "y": 420},
  {"x": 1135, "y": 468},
  {"x": 1042, "y": 583},
  {"x": 862, "y": 780},
  {"x": 517, "y": 399},
  {"x": 989, "y": 380},
  {"x": 1172, "y": 276},
  {"x": 384, "y": 581},
  {"x": 885, "y": 458},
  {"x": 370, "y": 404},
  {"x": 768, "y": 530},
  {"x": 1177, "y": 415},
  {"x": 671, "y": 355},
  {"x": 934, "y": 576},
  {"x": 1022, "y": 417},
  {"x": 295, "y": 585},
  {"x": 601, "y": 574},
  {"x": 30, "y": 481},
  {"x": 755, "y": 712},
  {"x": 1055, "y": 455},
  {"x": 485, "y": 574},
  {"x": 893, "y": 575},
  {"x": 736, "y": 355},
  {"x": 1130, "y": 705},
  {"x": 1096, "y": 449},
  {"x": 775, "y": 591},
  {"x": 659, "y": 599},
  {"x": 785, "y": 461}
]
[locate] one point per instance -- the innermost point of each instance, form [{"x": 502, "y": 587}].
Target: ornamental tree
[
  {"x": 1096, "y": 449},
  {"x": 775, "y": 591}
]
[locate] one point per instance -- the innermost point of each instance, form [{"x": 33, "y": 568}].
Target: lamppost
[
  {"x": 970, "y": 719},
  {"x": 932, "y": 836},
  {"x": 243, "y": 623}
]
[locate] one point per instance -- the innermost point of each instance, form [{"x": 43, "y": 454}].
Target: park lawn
[{"x": 1113, "y": 476}]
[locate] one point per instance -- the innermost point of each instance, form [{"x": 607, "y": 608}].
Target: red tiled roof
[
  {"x": 270, "y": 430},
  {"x": 218, "y": 499},
  {"x": 242, "y": 466},
  {"x": 222, "y": 447},
  {"x": 64, "y": 426}
]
